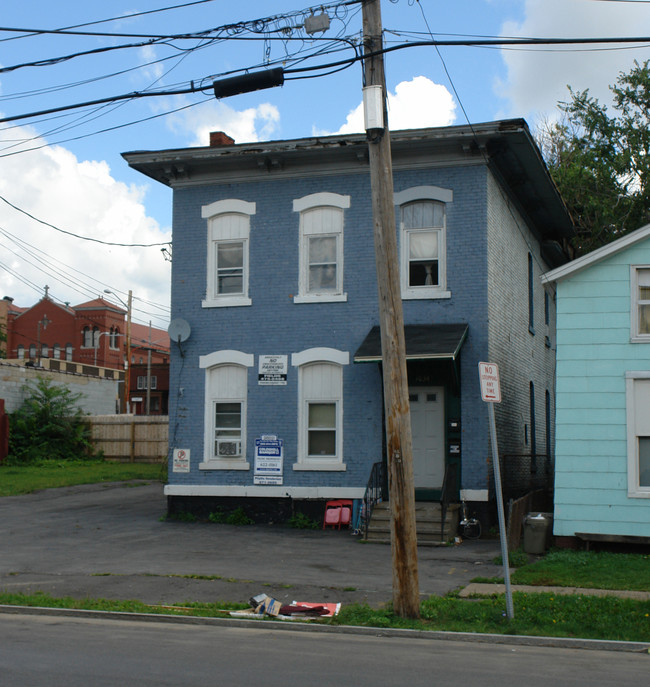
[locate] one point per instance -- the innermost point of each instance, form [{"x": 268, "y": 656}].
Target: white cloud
[
  {"x": 418, "y": 103},
  {"x": 245, "y": 126},
  {"x": 83, "y": 198},
  {"x": 537, "y": 78}
]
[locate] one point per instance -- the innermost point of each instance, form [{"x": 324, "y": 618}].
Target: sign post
[{"x": 491, "y": 394}]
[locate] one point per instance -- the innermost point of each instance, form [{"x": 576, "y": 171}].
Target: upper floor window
[
  {"x": 531, "y": 295},
  {"x": 640, "y": 306},
  {"x": 228, "y": 249},
  {"x": 113, "y": 338},
  {"x": 90, "y": 337},
  {"x": 142, "y": 381},
  {"x": 321, "y": 247},
  {"x": 423, "y": 241}
]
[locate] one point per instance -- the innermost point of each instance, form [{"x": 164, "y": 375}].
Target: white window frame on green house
[
  {"x": 321, "y": 225},
  {"x": 226, "y": 384},
  {"x": 638, "y": 433},
  {"x": 416, "y": 236},
  {"x": 320, "y": 389},
  {"x": 640, "y": 303},
  {"x": 228, "y": 231}
]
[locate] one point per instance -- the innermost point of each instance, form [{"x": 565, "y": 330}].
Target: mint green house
[{"x": 602, "y": 444}]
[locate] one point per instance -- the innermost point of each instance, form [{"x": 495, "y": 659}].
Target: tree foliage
[
  {"x": 600, "y": 160},
  {"x": 49, "y": 426}
]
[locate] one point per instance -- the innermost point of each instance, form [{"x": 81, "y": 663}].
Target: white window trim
[
  {"x": 230, "y": 206},
  {"x": 307, "y": 357},
  {"x": 208, "y": 362},
  {"x": 311, "y": 202},
  {"x": 635, "y": 337},
  {"x": 634, "y": 490},
  {"x": 412, "y": 195}
]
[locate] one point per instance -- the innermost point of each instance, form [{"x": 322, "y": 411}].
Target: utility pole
[
  {"x": 127, "y": 368},
  {"x": 406, "y": 594}
]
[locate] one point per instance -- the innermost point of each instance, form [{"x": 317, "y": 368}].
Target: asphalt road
[
  {"x": 75, "y": 652},
  {"x": 112, "y": 541}
]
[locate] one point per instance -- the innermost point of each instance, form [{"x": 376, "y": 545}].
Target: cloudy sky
[{"x": 71, "y": 211}]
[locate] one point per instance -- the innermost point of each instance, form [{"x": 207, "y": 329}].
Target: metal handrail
[
  {"x": 448, "y": 493},
  {"x": 374, "y": 494}
]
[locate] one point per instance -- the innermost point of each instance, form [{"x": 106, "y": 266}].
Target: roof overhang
[
  {"x": 423, "y": 342},
  {"x": 506, "y": 146}
]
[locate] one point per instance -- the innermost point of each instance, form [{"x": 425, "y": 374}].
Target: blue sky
[{"x": 66, "y": 170}]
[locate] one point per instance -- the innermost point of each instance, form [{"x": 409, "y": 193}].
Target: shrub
[{"x": 49, "y": 426}]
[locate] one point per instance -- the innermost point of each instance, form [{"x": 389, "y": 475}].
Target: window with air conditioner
[{"x": 226, "y": 383}]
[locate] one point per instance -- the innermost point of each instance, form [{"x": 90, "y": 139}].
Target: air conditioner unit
[{"x": 228, "y": 447}]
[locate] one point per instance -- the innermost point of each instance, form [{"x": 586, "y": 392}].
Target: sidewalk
[{"x": 481, "y": 589}]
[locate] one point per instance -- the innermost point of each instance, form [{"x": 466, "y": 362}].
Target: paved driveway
[{"x": 110, "y": 541}]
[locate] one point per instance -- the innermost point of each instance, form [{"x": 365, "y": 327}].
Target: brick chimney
[{"x": 218, "y": 138}]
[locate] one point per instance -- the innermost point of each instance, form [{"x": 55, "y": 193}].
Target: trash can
[{"x": 537, "y": 532}]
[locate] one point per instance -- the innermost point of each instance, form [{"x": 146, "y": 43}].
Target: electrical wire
[{"x": 79, "y": 236}]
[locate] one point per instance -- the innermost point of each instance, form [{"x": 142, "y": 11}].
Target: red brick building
[{"x": 92, "y": 334}]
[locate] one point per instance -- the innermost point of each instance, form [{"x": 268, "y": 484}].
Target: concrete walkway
[{"x": 482, "y": 589}]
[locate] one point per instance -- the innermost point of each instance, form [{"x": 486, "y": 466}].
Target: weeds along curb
[{"x": 295, "y": 626}]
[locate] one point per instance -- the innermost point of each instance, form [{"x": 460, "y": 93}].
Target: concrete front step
[{"x": 427, "y": 523}]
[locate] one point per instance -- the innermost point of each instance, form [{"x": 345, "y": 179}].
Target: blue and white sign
[{"x": 269, "y": 455}]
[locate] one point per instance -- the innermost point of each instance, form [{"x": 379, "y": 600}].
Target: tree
[
  {"x": 49, "y": 426},
  {"x": 601, "y": 162}
]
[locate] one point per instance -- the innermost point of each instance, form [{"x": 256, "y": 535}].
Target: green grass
[
  {"x": 591, "y": 570},
  {"x": 43, "y": 600},
  {"x": 584, "y": 617},
  {"x": 19, "y": 479}
]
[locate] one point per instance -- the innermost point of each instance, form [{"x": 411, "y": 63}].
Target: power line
[
  {"x": 84, "y": 238},
  {"x": 342, "y": 63}
]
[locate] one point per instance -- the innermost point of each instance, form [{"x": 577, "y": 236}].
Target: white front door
[{"x": 428, "y": 434}]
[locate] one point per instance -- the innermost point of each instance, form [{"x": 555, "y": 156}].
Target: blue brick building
[{"x": 276, "y": 393}]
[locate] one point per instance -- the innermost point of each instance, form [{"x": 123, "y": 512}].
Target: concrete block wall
[{"x": 98, "y": 396}]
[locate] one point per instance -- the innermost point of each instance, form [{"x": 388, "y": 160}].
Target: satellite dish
[{"x": 179, "y": 330}]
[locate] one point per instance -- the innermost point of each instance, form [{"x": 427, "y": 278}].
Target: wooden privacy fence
[{"x": 131, "y": 438}]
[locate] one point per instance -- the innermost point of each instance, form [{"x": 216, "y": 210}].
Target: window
[
  {"x": 423, "y": 245},
  {"x": 531, "y": 295},
  {"x": 20, "y": 352},
  {"x": 228, "y": 242},
  {"x": 142, "y": 381},
  {"x": 321, "y": 247},
  {"x": 640, "y": 307},
  {"x": 113, "y": 338},
  {"x": 226, "y": 385},
  {"x": 32, "y": 351},
  {"x": 320, "y": 408},
  {"x": 45, "y": 350},
  {"x": 56, "y": 351},
  {"x": 638, "y": 434},
  {"x": 533, "y": 428},
  {"x": 90, "y": 337},
  {"x": 68, "y": 352}
]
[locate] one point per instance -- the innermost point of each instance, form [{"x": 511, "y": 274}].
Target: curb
[{"x": 433, "y": 635}]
